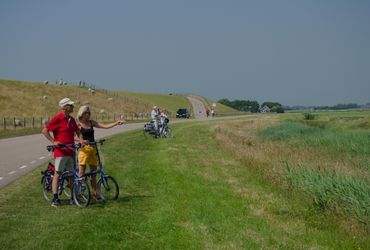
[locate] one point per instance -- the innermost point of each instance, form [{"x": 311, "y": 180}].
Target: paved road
[
  {"x": 19, "y": 155},
  {"x": 198, "y": 108}
]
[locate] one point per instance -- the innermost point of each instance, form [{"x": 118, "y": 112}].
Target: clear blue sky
[{"x": 296, "y": 52}]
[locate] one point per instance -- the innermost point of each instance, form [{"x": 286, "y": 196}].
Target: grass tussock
[{"x": 333, "y": 191}]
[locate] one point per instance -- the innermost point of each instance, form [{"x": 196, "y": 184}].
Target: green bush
[{"x": 308, "y": 116}]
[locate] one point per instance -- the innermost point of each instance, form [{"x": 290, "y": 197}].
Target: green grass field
[{"x": 193, "y": 191}]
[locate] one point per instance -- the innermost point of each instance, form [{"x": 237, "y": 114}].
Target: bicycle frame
[
  {"x": 104, "y": 182},
  {"x": 100, "y": 164},
  {"x": 67, "y": 174}
]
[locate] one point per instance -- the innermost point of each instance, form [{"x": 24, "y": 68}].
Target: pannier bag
[
  {"x": 148, "y": 127},
  {"x": 49, "y": 170}
]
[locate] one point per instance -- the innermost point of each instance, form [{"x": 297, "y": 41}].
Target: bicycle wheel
[
  {"x": 46, "y": 187},
  {"x": 168, "y": 133},
  {"x": 63, "y": 186},
  {"x": 81, "y": 193},
  {"x": 108, "y": 187},
  {"x": 66, "y": 188}
]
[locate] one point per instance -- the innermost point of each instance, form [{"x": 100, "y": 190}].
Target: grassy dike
[{"x": 187, "y": 192}]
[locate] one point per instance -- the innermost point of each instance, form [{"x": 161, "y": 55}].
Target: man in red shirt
[{"x": 64, "y": 127}]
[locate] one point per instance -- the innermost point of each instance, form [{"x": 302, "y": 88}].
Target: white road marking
[
  {"x": 13, "y": 172},
  {"x": 1, "y": 178},
  {"x": 24, "y": 166},
  {"x": 32, "y": 162},
  {"x": 42, "y": 157}
]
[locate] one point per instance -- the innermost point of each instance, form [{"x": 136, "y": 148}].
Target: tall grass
[
  {"x": 329, "y": 165},
  {"x": 334, "y": 139},
  {"x": 329, "y": 190},
  {"x": 333, "y": 190},
  {"x": 289, "y": 130}
]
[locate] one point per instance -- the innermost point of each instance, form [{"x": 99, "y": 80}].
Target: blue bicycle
[
  {"x": 107, "y": 186},
  {"x": 80, "y": 191}
]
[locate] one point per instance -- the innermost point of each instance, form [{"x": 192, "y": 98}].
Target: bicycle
[
  {"x": 149, "y": 128},
  {"x": 80, "y": 190},
  {"x": 46, "y": 182},
  {"x": 107, "y": 186},
  {"x": 165, "y": 130}
]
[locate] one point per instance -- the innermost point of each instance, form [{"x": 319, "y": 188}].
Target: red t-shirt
[{"x": 63, "y": 129}]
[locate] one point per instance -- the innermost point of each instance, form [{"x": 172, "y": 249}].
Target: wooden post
[
  {"x": 4, "y": 124},
  {"x": 24, "y": 122},
  {"x": 33, "y": 122},
  {"x": 14, "y": 122}
]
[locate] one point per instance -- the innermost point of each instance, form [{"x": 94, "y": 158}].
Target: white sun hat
[{"x": 65, "y": 101}]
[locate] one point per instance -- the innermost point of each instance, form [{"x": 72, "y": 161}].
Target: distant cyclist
[
  {"x": 87, "y": 154},
  {"x": 164, "y": 117},
  {"x": 155, "y": 119},
  {"x": 64, "y": 128},
  {"x": 163, "y": 121}
]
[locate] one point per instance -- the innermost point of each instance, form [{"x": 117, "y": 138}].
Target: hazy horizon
[{"x": 309, "y": 53}]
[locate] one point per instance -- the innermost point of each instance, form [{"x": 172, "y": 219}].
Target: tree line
[
  {"x": 252, "y": 106},
  {"x": 338, "y": 106},
  {"x": 334, "y": 107}
]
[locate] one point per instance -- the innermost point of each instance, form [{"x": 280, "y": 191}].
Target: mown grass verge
[{"x": 179, "y": 193}]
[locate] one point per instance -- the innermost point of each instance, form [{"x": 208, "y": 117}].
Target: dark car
[{"x": 182, "y": 113}]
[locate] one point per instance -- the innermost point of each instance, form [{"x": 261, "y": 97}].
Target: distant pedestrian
[
  {"x": 207, "y": 112},
  {"x": 155, "y": 119}
]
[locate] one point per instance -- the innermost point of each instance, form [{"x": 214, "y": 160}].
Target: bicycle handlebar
[
  {"x": 94, "y": 143},
  {"x": 70, "y": 145},
  {"x": 73, "y": 145}
]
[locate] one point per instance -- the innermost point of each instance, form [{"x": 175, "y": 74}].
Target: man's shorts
[
  {"x": 87, "y": 156},
  {"x": 64, "y": 163}
]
